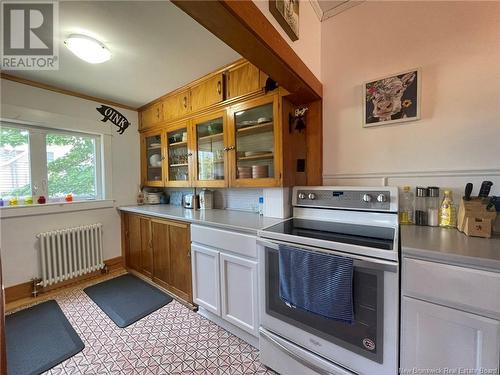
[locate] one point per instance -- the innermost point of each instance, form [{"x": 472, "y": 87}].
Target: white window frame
[{"x": 38, "y": 157}]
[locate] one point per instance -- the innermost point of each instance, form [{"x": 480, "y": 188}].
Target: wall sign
[{"x": 115, "y": 117}]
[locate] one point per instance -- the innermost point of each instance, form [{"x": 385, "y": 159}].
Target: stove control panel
[{"x": 377, "y": 199}]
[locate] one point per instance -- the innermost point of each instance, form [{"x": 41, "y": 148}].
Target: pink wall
[
  {"x": 457, "y": 46},
  {"x": 308, "y": 47}
]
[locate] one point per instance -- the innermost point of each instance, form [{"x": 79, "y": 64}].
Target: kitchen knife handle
[
  {"x": 485, "y": 189},
  {"x": 468, "y": 191}
]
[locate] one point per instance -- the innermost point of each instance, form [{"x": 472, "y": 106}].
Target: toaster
[{"x": 190, "y": 201}]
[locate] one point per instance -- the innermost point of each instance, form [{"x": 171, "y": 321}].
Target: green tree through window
[
  {"x": 75, "y": 171},
  {"x": 72, "y": 168}
]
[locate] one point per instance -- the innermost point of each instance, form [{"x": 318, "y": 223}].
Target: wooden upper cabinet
[
  {"x": 207, "y": 92},
  {"x": 176, "y": 106},
  {"x": 152, "y": 116},
  {"x": 242, "y": 79},
  {"x": 153, "y": 158}
]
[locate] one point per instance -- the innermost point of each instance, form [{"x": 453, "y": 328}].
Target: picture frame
[
  {"x": 286, "y": 12},
  {"x": 392, "y": 99}
]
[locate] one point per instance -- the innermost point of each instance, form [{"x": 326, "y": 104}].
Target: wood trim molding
[
  {"x": 243, "y": 27},
  {"x": 20, "y": 291},
  {"x": 45, "y": 86}
]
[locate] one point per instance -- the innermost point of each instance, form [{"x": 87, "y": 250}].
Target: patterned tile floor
[{"x": 172, "y": 340}]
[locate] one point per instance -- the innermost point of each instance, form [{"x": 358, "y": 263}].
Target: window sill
[{"x": 54, "y": 208}]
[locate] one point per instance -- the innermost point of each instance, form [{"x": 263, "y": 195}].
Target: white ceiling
[{"x": 155, "y": 48}]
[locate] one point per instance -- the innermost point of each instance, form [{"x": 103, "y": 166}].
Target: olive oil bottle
[{"x": 447, "y": 212}]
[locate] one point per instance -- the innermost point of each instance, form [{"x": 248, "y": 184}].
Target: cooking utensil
[
  {"x": 485, "y": 189},
  {"x": 492, "y": 204},
  {"x": 468, "y": 191}
]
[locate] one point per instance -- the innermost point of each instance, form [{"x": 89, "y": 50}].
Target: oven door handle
[
  {"x": 296, "y": 357},
  {"x": 360, "y": 260}
]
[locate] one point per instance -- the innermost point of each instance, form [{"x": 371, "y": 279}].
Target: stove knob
[
  {"x": 312, "y": 196},
  {"x": 381, "y": 198},
  {"x": 367, "y": 198},
  {"x": 302, "y": 196}
]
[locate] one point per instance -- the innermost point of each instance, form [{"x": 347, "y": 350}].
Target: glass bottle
[
  {"x": 140, "y": 197},
  {"x": 406, "y": 206},
  {"x": 421, "y": 205},
  {"x": 433, "y": 206},
  {"x": 447, "y": 215}
]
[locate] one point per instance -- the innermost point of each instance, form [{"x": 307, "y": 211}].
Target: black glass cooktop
[{"x": 354, "y": 234}]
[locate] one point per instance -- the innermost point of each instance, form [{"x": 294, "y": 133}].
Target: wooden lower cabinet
[
  {"x": 138, "y": 255},
  {"x": 159, "y": 249}
]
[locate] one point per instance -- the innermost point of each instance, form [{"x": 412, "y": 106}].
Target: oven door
[{"x": 369, "y": 345}]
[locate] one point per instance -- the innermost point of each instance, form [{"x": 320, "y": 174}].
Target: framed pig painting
[{"x": 392, "y": 99}]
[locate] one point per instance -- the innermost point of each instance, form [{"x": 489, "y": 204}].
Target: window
[
  {"x": 15, "y": 178},
  {"x": 37, "y": 161}
]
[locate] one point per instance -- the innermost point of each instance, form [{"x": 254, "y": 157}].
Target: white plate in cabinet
[
  {"x": 206, "y": 278},
  {"x": 435, "y": 337},
  {"x": 239, "y": 292}
]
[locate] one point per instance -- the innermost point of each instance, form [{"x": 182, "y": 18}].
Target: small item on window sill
[
  {"x": 13, "y": 201},
  {"x": 28, "y": 200},
  {"x": 68, "y": 197},
  {"x": 41, "y": 199},
  {"x": 1, "y": 202}
]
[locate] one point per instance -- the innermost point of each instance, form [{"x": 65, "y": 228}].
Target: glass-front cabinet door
[
  {"x": 153, "y": 156},
  {"x": 255, "y": 134},
  {"x": 178, "y": 156},
  {"x": 210, "y": 152}
]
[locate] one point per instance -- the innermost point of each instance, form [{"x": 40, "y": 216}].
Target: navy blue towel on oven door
[{"x": 317, "y": 282}]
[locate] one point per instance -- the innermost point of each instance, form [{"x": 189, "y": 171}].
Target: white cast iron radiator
[{"x": 70, "y": 252}]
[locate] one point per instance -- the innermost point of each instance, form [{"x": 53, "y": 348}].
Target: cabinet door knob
[
  {"x": 226, "y": 148},
  {"x": 219, "y": 87},
  {"x": 232, "y": 147},
  {"x": 185, "y": 102},
  {"x": 190, "y": 154}
]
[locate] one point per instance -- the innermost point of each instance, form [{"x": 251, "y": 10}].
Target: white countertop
[
  {"x": 450, "y": 246},
  {"x": 240, "y": 221}
]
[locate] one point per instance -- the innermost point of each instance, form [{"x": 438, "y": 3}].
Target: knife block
[{"x": 473, "y": 218}]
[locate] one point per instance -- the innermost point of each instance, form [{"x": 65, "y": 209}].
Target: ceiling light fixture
[{"x": 87, "y": 48}]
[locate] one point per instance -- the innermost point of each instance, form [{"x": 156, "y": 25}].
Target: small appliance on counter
[
  {"x": 206, "y": 199},
  {"x": 191, "y": 201}
]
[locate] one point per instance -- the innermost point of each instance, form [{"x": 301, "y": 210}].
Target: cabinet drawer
[
  {"x": 466, "y": 288},
  {"x": 238, "y": 243}
]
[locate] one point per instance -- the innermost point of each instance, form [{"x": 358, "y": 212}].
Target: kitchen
[{"x": 254, "y": 147}]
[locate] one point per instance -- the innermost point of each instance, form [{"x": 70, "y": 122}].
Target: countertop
[
  {"x": 450, "y": 246},
  {"x": 240, "y": 221}
]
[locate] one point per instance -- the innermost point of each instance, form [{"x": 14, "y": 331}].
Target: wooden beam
[
  {"x": 243, "y": 27},
  {"x": 45, "y": 86}
]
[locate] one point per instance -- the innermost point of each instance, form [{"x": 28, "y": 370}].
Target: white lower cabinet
[
  {"x": 239, "y": 292},
  {"x": 438, "y": 337},
  {"x": 225, "y": 281},
  {"x": 206, "y": 278}
]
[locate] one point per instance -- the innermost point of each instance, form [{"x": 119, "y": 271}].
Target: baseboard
[{"x": 24, "y": 290}]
